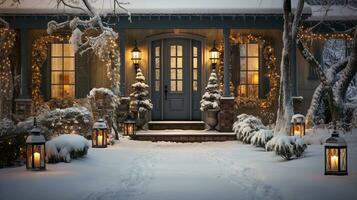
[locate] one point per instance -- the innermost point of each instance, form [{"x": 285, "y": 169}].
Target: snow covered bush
[
  {"x": 287, "y": 146},
  {"x": 246, "y": 126},
  {"x": 76, "y": 120},
  {"x": 210, "y": 99},
  {"x": 6, "y": 126},
  {"x": 261, "y": 137},
  {"x": 140, "y": 100},
  {"x": 66, "y": 147}
]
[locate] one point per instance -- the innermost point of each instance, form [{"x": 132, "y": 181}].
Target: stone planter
[
  {"x": 142, "y": 120},
  {"x": 211, "y": 119}
]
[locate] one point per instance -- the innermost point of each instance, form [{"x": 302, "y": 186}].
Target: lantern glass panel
[
  {"x": 343, "y": 162},
  {"x": 35, "y": 156},
  {"x": 29, "y": 156},
  {"x": 332, "y": 159},
  {"x": 94, "y": 137}
]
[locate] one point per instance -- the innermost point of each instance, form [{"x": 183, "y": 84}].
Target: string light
[
  {"x": 6, "y": 82},
  {"x": 308, "y": 36}
]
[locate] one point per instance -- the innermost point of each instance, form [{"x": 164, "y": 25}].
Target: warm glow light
[
  {"x": 214, "y": 54},
  {"x": 136, "y": 54},
  {"x": 334, "y": 163},
  {"x": 297, "y": 130},
  {"x": 100, "y": 140},
  {"x": 255, "y": 79},
  {"x": 37, "y": 159}
]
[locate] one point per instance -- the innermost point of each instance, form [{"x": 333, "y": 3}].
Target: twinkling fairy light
[{"x": 7, "y": 43}]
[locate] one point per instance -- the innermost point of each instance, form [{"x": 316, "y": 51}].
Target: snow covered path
[{"x": 211, "y": 171}]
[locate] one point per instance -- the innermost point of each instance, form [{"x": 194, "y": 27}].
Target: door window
[{"x": 176, "y": 68}]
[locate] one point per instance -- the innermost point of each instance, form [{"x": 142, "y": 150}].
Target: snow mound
[
  {"x": 298, "y": 118},
  {"x": 287, "y": 146},
  {"x": 64, "y": 148}
]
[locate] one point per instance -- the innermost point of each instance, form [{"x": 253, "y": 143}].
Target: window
[
  {"x": 62, "y": 70},
  {"x": 157, "y": 68},
  {"x": 176, "y": 68},
  {"x": 249, "y": 70},
  {"x": 194, "y": 68}
]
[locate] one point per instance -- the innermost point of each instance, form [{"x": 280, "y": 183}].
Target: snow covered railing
[{"x": 250, "y": 130}]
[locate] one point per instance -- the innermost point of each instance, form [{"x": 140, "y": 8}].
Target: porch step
[
  {"x": 181, "y": 125},
  {"x": 184, "y": 136}
]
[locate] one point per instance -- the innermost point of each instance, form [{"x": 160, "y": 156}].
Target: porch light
[
  {"x": 335, "y": 155},
  {"x": 129, "y": 126},
  {"x": 136, "y": 55},
  {"x": 214, "y": 55},
  {"x": 297, "y": 127},
  {"x": 35, "y": 149},
  {"x": 100, "y": 134}
]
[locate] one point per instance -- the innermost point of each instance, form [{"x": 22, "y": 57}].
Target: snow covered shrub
[
  {"x": 246, "y": 126},
  {"x": 287, "y": 146},
  {"x": 261, "y": 137},
  {"x": 66, "y": 147},
  {"x": 210, "y": 99},
  {"x": 61, "y": 103},
  {"x": 140, "y": 100},
  {"x": 6, "y": 126}
]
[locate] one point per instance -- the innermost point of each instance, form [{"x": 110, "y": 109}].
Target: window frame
[{"x": 62, "y": 71}]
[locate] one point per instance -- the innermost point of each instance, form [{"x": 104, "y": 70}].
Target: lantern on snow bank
[
  {"x": 35, "y": 149},
  {"x": 297, "y": 127},
  {"x": 335, "y": 155},
  {"x": 129, "y": 126},
  {"x": 100, "y": 134}
]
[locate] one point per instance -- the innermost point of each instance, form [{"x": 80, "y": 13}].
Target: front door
[{"x": 175, "y": 79}]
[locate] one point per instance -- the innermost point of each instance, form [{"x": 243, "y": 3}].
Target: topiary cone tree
[
  {"x": 210, "y": 100},
  {"x": 140, "y": 102}
]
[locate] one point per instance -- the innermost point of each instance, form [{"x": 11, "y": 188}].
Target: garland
[
  {"x": 7, "y": 38},
  {"x": 307, "y": 36},
  {"x": 110, "y": 57},
  {"x": 272, "y": 73}
]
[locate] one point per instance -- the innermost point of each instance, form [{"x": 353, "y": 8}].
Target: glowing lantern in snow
[
  {"x": 214, "y": 55},
  {"x": 100, "y": 134},
  {"x": 35, "y": 150},
  {"x": 129, "y": 126},
  {"x": 297, "y": 127},
  {"x": 335, "y": 155}
]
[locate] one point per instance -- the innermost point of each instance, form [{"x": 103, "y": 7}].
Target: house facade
[{"x": 175, "y": 49}]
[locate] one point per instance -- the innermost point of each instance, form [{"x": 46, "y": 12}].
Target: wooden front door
[{"x": 176, "y": 79}]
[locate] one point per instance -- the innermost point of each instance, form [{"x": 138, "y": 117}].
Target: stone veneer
[{"x": 226, "y": 114}]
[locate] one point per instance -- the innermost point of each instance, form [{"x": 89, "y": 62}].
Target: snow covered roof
[
  {"x": 158, "y": 7},
  {"x": 334, "y": 13}
]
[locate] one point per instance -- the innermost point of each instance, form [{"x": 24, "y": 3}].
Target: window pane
[
  {"x": 179, "y": 74},
  {"x": 242, "y": 90},
  {"x": 56, "y": 77},
  {"x": 157, "y": 74},
  {"x": 173, "y": 63},
  {"x": 253, "y": 50},
  {"x": 56, "y": 91},
  {"x": 243, "y": 77},
  {"x": 173, "y": 50},
  {"x": 157, "y": 62},
  {"x": 68, "y": 50},
  {"x": 253, "y": 77},
  {"x": 194, "y": 51},
  {"x": 173, "y": 86},
  {"x": 179, "y": 50},
  {"x": 68, "y": 90},
  {"x": 252, "y": 63},
  {"x": 157, "y": 85},
  {"x": 195, "y": 74},
  {"x": 157, "y": 51},
  {"x": 195, "y": 63},
  {"x": 243, "y": 64},
  {"x": 68, "y": 78},
  {"x": 195, "y": 85},
  {"x": 56, "y": 49},
  {"x": 56, "y": 63},
  {"x": 242, "y": 50},
  {"x": 173, "y": 74},
  {"x": 179, "y": 62},
  {"x": 253, "y": 91},
  {"x": 68, "y": 63},
  {"x": 179, "y": 85}
]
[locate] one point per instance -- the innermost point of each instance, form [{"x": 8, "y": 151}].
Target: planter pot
[
  {"x": 211, "y": 119},
  {"x": 142, "y": 120}
]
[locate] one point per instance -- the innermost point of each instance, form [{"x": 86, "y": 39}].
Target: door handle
[{"x": 165, "y": 92}]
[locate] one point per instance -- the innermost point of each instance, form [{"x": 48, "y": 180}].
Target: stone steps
[{"x": 181, "y": 125}]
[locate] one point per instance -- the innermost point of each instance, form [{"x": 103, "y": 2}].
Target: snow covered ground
[{"x": 173, "y": 171}]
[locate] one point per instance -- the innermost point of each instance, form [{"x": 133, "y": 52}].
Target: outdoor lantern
[
  {"x": 129, "y": 126},
  {"x": 35, "y": 149},
  {"x": 297, "y": 127},
  {"x": 214, "y": 55},
  {"x": 136, "y": 55},
  {"x": 100, "y": 134},
  {"x": 335, "y": 155}
]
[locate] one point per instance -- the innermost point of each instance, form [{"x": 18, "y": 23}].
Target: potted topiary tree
[
  {"x": 140, "y": 101},
  {"x": 210, "y": 101}
]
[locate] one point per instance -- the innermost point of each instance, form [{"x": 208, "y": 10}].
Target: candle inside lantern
[
  {"x": 37, "y": 159},
  {"x": 100, "y": 140},
  {"x": 297, "y": 130},
  {"x": 334, "y": 162}
]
